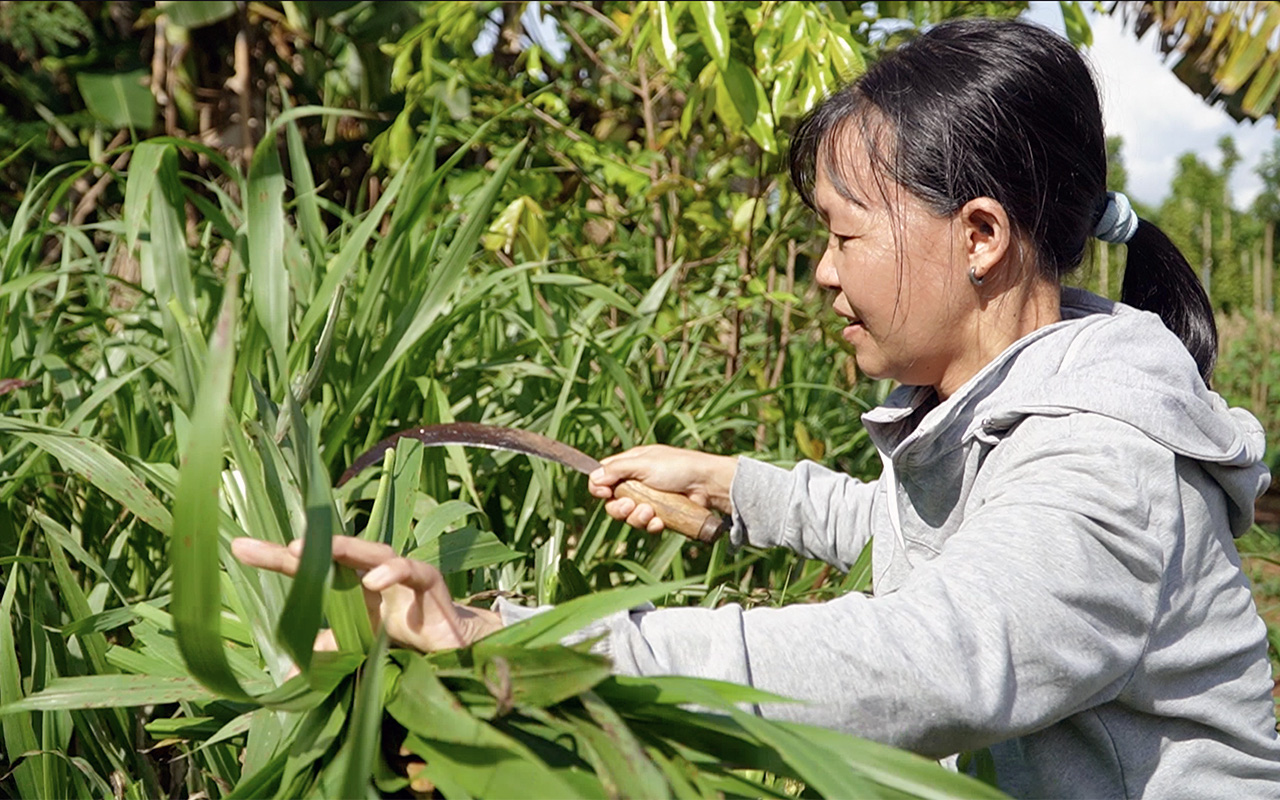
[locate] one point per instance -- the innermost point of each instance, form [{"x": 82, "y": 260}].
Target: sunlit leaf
[
  {"x": 196, "y": 13},
  {"x": 195, "y": 545},
  {"x": 366, "y": 721},
  {"x": 713, "y": 28},
  {"x": 468, "y": 548},
  {"x": 109, "y": 691},
  {"x": 119, "y": 99}
]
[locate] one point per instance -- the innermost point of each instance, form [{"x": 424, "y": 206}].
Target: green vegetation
[{"x": 336, "y": 220}]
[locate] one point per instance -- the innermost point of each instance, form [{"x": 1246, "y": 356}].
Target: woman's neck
[{"x": 999, "y": 321}]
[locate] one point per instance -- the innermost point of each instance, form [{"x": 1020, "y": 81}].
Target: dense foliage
[{"x": 335, "y": 220}]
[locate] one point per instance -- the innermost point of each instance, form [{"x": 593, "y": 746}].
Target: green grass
[{"x": 267, "y": 342}]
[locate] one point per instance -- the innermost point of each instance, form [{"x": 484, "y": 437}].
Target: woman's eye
[{"x": 841, "y": 240}]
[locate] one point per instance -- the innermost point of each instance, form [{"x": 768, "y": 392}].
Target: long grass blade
[
  {"x": 194, "y": 547},
  {"x": 366, "y": 723},
  {"x": 92, "y": 462},
  {"x": 109, "y": 691},
  {"x": 266, "y": 232},
  {"x": 19, "y": 734},
  {"x": 548, "y": 627},
  {"x": 416, "y": 320},
  {"x": 301, "y": 616}
]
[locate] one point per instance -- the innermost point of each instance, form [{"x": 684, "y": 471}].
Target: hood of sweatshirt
[{"x": 1102, "y": 358}]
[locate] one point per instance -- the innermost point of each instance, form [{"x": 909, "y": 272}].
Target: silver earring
[{"x": 973, "y": 277}]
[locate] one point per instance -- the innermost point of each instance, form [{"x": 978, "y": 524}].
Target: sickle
[{"x": 677, "y": 512}]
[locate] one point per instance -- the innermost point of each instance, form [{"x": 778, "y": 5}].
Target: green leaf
[
  {"x": 264, "y": 212},
  {"x": 1247, "y": 52},
  {"x": 468, "y": 548},
  {"x": 375, "y": 530},
  {"x": 314, "y": 740},
  {"x": 119, "y": 99},
  {"x": 432, "y": 523},
  {"x": 143, "y": 168},
  {"x": 92, "y": 462},
  {"x": 736, "y": 98},
  {"x": 666, "y": 48},
  {"x": 548, "y": 627},
  {"x": 398, "y": 528},
  {"x": 303, "y": 608},
  {"x": 678, "y": 690},
  {"x": 632, "y": 772},
  {"x": 196, "y": 13},
  {"x": 109, "y": 691},
  {"x": 417, "y": 318},
  {"x": 310, "y": 223},
  {"x": 570, "y": 583},
  {"x": 816, "y": 766},
  {"x": 366, "y": 723},
  {"x": 19, "y": 735},
  {"x": 262, "y": 781},
  {"x": 102, "y": 621},
  {"x": 194, "y": 546},
  {"x": 541, "y": 676},
  {"x": 357, "y": 242},
  {"x": 713, "y": 29},
  {"x": 465, "y": 754},
  {"x": 1076, "y": 23},
  {"x": 305, "y": 692}
]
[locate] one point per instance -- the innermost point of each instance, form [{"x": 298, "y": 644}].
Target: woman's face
[{"x": 901, "y": 273}]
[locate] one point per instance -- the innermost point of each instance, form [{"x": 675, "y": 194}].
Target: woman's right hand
[
  {"x": 703, "y": 478},
  {"x": 407, "y": 597}
]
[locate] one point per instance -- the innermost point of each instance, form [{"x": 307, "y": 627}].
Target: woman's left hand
[{"x": 408, "y": 597}]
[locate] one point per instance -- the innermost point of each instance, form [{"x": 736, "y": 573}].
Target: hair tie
[{"x": 1119, "y": 222}]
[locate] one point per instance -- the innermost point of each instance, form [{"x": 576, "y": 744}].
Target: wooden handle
[{"x": 677, "y": 512}]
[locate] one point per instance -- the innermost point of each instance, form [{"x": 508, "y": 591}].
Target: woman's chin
[{"x": 854, "y": 332}]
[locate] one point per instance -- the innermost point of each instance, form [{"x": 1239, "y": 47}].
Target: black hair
[{"x": 1007, "y": 110}]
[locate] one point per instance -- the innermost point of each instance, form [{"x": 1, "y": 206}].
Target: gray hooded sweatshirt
[{"x": 1053, "y": 568}]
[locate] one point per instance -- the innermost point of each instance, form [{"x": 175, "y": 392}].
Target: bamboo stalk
[
  {"x": 1206, "y": 250},
  {"x": 1268, "y": 267},
  {"x": 1104, "y": 269},
  {"x": 1257, "y": 279}
]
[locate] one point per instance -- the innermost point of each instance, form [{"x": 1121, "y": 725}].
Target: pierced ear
[{"x": 987, "y": 234}]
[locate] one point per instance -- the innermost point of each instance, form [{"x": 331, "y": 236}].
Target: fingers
[
  {"x": 359, "y": 554},
  {"x": 416, "y": 607},
  {"x": 418, "y": 577},
  {"x": 637, "y": 515},
  {"x": 638, "y": 463},
  {"x": 265, "y": 555},
  {"x": 326, "y": 642},
  {"x": 409, "y": 598},
  {"x": 347, "y": 550}
]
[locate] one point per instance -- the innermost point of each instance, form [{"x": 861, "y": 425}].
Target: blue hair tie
[{"x": 1119, "y": 222}]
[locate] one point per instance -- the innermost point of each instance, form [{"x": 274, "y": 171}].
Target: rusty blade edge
[{"x": 472, "y": 434}]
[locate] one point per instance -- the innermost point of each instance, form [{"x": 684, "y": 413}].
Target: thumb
[{"x": 633, "y": 464}]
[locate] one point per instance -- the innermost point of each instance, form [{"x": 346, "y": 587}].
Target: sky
[{"x": 1159, "y": 118}]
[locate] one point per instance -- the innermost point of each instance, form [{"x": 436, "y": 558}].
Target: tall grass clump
[{"x": 271, "y": 336}]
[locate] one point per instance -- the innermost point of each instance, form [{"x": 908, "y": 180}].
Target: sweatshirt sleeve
[
  {"x": 1039, "y": 606},
  {"x": 810, "y": 509}
]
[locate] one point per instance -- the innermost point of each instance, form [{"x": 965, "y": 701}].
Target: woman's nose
[{"x": 825, "y": 274}]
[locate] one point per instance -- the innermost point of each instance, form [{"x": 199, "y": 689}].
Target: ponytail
[{"x": 1158, "y": 278}]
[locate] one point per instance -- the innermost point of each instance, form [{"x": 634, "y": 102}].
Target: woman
[{"x": 1053, "y": 562}]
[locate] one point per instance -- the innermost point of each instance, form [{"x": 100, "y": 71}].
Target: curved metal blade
[{"x": 471, "y": 434}]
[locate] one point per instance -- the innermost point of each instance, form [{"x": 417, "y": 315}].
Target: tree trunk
[
  {"x": 1206, "y": 257},
  {"x": 1268, "y": 268},
  {"x": 1104, "y": 268}
]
